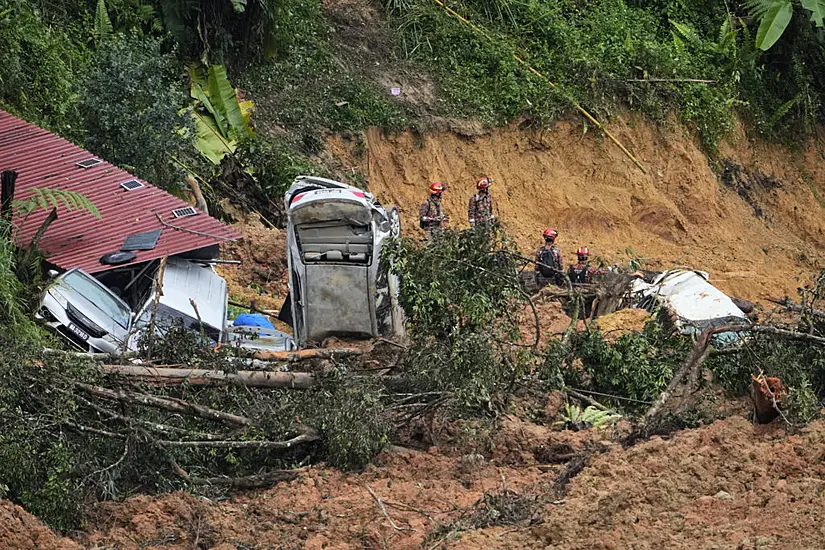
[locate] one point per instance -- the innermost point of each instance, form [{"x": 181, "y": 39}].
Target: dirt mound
[
  {"x": 676, "y": 214},
  {"x": 262, "y": 275},
  {"x": 622, "y": 322},
  {"x": 22, "y": 531},
  {"x": 729, "y": 485},
  {"x": 322, "y": 509}
]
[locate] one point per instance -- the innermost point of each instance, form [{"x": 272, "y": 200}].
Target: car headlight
[{"x": 59, "y": 298}]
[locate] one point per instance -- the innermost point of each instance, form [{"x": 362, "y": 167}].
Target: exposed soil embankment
[{"x": 754, "y": 231}]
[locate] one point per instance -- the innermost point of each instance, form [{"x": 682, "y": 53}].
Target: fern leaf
[
  {"x": 688, "y": 32},
  {"x": 103, "y": 24}
]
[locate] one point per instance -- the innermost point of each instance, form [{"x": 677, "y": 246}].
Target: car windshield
[{"x": 98, "y": 296}]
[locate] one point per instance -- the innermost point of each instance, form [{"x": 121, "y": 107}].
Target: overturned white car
[
  {"x": 338, "y": 287},
  {"x": 694, "y": 303}
]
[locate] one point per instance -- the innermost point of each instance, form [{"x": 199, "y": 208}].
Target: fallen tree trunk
[
  {"x": 305, "y": 354},
  {"x": 694, "y": 361},
  {"x": 232, "y": 444},
  {"x": 201, "y": 377}
]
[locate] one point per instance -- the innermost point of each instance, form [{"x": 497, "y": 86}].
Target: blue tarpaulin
[{"x": 252, "y": 320}]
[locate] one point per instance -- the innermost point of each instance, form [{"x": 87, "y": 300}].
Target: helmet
[
  {"x": 436, "y": 187},
  {"x": 583, "y": 252},
  {"x": 484, "y": 182},
  {"x": 550, "y": 234}
]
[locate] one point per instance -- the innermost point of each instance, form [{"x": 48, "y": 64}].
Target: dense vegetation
[{"x": 96, "y": 70}]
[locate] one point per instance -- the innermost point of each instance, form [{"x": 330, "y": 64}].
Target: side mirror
[{"x": 51, "y": 274}]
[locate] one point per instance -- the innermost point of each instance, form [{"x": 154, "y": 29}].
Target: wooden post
[{"x": 7, "y": 193}]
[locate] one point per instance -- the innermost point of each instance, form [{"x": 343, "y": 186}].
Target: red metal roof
[{"x": 78, "y": 239}]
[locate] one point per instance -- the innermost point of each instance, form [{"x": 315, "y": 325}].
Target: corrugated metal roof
[{"x": 78, "y": 239}]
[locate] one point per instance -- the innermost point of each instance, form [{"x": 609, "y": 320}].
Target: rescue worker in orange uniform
[
  {"x": 431, "y": 217},
  {"x": 549, "y": 262},
  {"x": 480, "y": 209}
]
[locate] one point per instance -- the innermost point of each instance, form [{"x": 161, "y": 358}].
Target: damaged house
[{"x": 148, "y": 253}]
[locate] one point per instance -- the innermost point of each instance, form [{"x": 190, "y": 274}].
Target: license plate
[{"x": 79, "y": 332}]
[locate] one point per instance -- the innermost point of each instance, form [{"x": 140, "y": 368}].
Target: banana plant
[
  {"x": 221, "y": 118},
  {"x": 775, "y": 15}
]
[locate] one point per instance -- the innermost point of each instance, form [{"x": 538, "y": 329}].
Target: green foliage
[
  {"x": 801, "y": 366},
  {"x": 775, "y": 15},
  {"x": 462, "y": 297},
  {"x": 234, "y": 30},
  {"x": 305, "y": 88},
  {"x": 590, "y": 416},
  {"x": 130, "y": 103},
  {"x": 44, "y": 198},
  {"x": 39, "y": 63},
  {"x": 273, "y": 165},
  {"x": 221, "y": 120},
  {"x": 605, "y": 54},
  {"x": 103, "y": 28},
  {"x": 12, "y": 302},
  {"x": 349, "y": 416},
  {"x": 637, "y": 366}
]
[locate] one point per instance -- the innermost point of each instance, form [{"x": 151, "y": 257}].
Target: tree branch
[
  {"x": 227, "y": 444},
  {"x": 169, "y": 404}
]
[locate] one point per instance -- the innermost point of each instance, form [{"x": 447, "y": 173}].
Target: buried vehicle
[
  {"x": 92, "y": 317},
  {"x": 338, "y": 285},
  {"x": 692, "y": 301},
  {"x": 85, "y": 313}
]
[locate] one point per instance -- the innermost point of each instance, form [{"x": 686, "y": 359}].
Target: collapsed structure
[{"x": 114, "y": 263}]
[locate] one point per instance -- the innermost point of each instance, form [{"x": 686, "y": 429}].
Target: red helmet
[
  {"x": 583, "y": 252},
  {"x": 484, "y": 182},
  {"x": 550, "y": 233},
  {"x": 436, "y": 187}
]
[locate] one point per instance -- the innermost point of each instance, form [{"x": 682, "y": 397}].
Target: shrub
[{"x": 130, "y": 102}]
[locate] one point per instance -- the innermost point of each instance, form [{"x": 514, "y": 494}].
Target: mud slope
[
  {"x": 680, "y": 213},
  {"x": 729, "y": 485}
]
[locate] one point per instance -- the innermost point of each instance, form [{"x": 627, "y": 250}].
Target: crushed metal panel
[
  {"x": 183, "y": 280},
  {"x": 696, "y": 303},
  {"x": 336, "y": 302}
]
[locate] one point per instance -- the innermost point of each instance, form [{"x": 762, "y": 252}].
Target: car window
[{"x": 99, "y": 297}]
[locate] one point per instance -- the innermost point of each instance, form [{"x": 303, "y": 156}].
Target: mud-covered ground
[{"x": 729, "y": 485}]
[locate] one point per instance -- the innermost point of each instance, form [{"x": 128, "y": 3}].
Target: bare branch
[
  {"x": 227, "y": 444},
  {"x": 169, "y": 404},
  {"x": 383, "y": 508},
  {"x": 201, "y": 377}
]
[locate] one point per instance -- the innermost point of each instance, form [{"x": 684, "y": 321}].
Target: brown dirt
[
  {"x": 728, "y": 486},
  {"x": 22, "y": 531},
  {"x": 262, "y": 275},
  {"x": 622, "y": 322},
  {"x": 677, "y": 214},
  {"x": 326, "y": 508}
]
